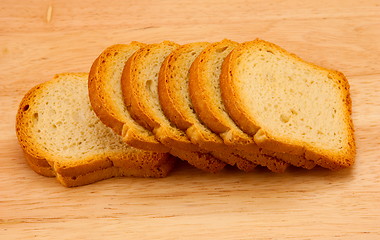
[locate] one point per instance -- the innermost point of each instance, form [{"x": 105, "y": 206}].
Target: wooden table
[{"x": 41, "y": 38}]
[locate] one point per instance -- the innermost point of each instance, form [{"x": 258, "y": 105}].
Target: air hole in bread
[
  {"x": 148, "y": 85},
  {"x": 220, "y": 50},
  {"x": 285, "y": 118},
  {"x": 35, "y": 116}
]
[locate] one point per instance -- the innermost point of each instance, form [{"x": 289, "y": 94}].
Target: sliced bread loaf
[
  {"x": 289, "y": 105},
  {"x": 107, "y": 100},
  {"x": 139, "y": 85},
  {"x": 207, "y": 100},
  {"x": 61, "y": 136},
  {"x": 174, "y": 97}
]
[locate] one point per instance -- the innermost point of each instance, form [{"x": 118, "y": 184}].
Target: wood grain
[{"x": 41, "y": 38}]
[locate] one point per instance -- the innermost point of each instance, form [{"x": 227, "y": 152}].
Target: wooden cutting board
[{"x": 41, "y": 38}]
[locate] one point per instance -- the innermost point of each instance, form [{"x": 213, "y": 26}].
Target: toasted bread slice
[
  {"x": 61, "y": 136},
  {"x": 107, "y": 100},
  {"x": 289, "y": 105},
  {"x": 139, "y": 84},
  {"x": 207, "y": 100},
  {"x": 175, "y": 101}
]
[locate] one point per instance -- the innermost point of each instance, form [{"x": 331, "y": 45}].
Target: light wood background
[{"x": 41, "y": 38}]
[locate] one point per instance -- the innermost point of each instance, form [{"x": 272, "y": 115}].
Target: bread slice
[
  {"x": 139, "y": 84},
  {"x": 289, "y": 105},
  {"x": 207, "y": 100},
  {"x": 175, "y": 101},
  {"x": 107, "y": 100},
  {"x": 61, "y": 136}
]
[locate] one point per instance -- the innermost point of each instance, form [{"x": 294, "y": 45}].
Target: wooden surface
[{"x": 41, "y": 38}]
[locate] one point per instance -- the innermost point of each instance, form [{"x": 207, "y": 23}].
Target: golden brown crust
[
  {"x": 44, "y": 169},
  {"x": 266, "y": 140},
  {"x": 202, "y": 161},
  {"x": 218, "y": 149},
  {"x": 137, "y": 109},
  {"x": 119, "y": 167},
  {"x": 199, "y": 94},
  {"x": 132, "y": 96},
  {"x": 98, "y": 103},
  {"x": 111, "y": 172},
  {"x": 123, "y": 168},
  {"x": 172, "y": 106},
  {"x": 131, "y": 90},
  {"x": 175, "y": 139},
  {"x": 134, "y": 138},
  {"x": 91, "y": 177},
  {"x": 232, "y": 100},
  {"x": 82, "y": 166},
  {"x": 23, "y": 119},
  {"x": 103, "y": 106}
]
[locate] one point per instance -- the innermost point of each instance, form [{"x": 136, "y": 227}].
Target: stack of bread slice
[{"x": 212, "y": 105}]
